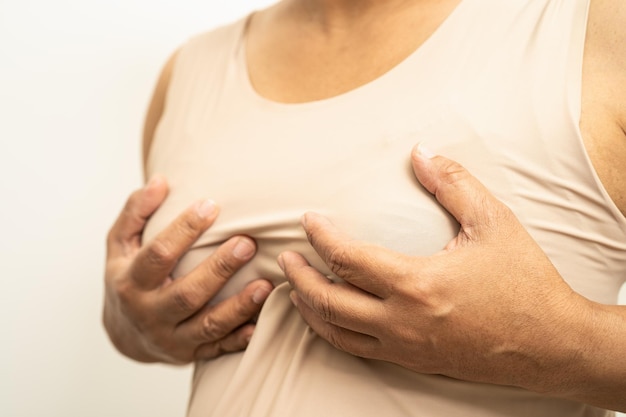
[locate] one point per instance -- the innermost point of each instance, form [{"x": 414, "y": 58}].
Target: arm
[
  {"x": 156, "y": 107},
  {"x": 555, "y": 341},
  {"x": 148, "y": 316},
  {"x": 489, "y": 308}
]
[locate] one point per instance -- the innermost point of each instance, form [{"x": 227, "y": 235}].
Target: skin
[
  {"x": 603, "y": 117},
  {"x": 489, "y": 276},
  {"x": 148, "y": 316},
  {"x": 451, "y": 313},
  {"x": 151, "y": 318},
  {"x": 490, "y": 307}
]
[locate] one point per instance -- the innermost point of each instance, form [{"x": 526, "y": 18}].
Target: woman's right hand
[{"x": 151, "y": 318}]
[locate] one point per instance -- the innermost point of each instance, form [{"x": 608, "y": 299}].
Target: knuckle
[
  {"x": 222, "y": 266},
  {"x": 339, "y": 259},
  {"x": 161, "y": 253},
  {"x": 188, "y": 226},
  {"x": 321, "y": 304},
  {"x": 185, "y": 299},
  {"x": 124, "y": 291},
  {"x": 211, "y": 329},
  {"x": 453, "y": 172},
  {"x": 422, "y": 292}
]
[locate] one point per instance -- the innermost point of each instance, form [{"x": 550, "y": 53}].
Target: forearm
[{"x": 586, "y": 361}]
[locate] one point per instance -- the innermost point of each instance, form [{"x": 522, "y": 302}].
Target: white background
[{"x": 75, "y": 79}]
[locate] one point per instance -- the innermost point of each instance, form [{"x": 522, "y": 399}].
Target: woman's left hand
[{"x": 489, "y": 307}]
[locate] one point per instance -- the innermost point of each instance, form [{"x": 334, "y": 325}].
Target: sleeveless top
[{"x": 497, "y": 87}]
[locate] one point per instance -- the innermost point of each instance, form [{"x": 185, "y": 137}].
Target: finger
[
  {"x": 339, "y": 304},
  {"x": 156, "y": 260},
  {"x": 234, "y": 342},
  {"x": 353, "y": 342},
  {"x": 368, "y": 267},
  {"x": 216, "y": 322},
  {"x": 125, "y": 234},
  {"x": 458, "y": 191},
  {"x": 186, "y": 295}
]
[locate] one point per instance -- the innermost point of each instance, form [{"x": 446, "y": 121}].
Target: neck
[{"x": 333, "y": 16}]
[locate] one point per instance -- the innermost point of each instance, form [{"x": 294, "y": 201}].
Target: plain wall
[{"x": 75, "y": 80}]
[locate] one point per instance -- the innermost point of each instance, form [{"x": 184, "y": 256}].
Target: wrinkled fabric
[{"x": 497, "y": 87}]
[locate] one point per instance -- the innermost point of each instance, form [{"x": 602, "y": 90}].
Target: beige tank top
[{"x": 497, "y": 87}]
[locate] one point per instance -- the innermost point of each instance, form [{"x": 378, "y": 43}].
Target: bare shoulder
[
  {"x": 157, "y": 104},
  {"x": 603, "y": 118}
]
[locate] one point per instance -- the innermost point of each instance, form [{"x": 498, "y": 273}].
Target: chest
[
  {"x": 297, "y": 75},
  {"x": 507, "y": 111}
]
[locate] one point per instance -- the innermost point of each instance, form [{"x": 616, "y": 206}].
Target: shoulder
[
  {"x": 193, "y": 59},
  {"x": 212, "y": 44},
  {"x": 157, "y": 104}
]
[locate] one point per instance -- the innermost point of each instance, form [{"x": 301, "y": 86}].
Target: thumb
[
  {"x": 141, "y": 204},
  {"x": 148, "y": 199},
  {"x": 459, "y": 192}
]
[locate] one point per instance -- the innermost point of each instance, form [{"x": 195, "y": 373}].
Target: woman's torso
[{"x": 501, "y": 96}]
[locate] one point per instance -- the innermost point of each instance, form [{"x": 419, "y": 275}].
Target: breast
[{"x": 371, "y": 195}]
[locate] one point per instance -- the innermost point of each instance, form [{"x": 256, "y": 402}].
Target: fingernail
[
  {"x": 309, "y": 215},
  {"x": 424, "y": 151},
  {"x": 154, "y": 181},
  {"x": 206, "y": 208},
  {"x": 260, "y": 295},
  {"x": 244, "y": 249},
  {"x": 249, "y": 335},
  {"x": 281, "y": 262}
]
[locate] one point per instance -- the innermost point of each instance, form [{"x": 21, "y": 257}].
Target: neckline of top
[{"x": 248, "y": 88}]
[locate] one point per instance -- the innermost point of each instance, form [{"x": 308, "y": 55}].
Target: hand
[
  {"x": 150, "y": 317},
  {"x": 489, "y": 307}
]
